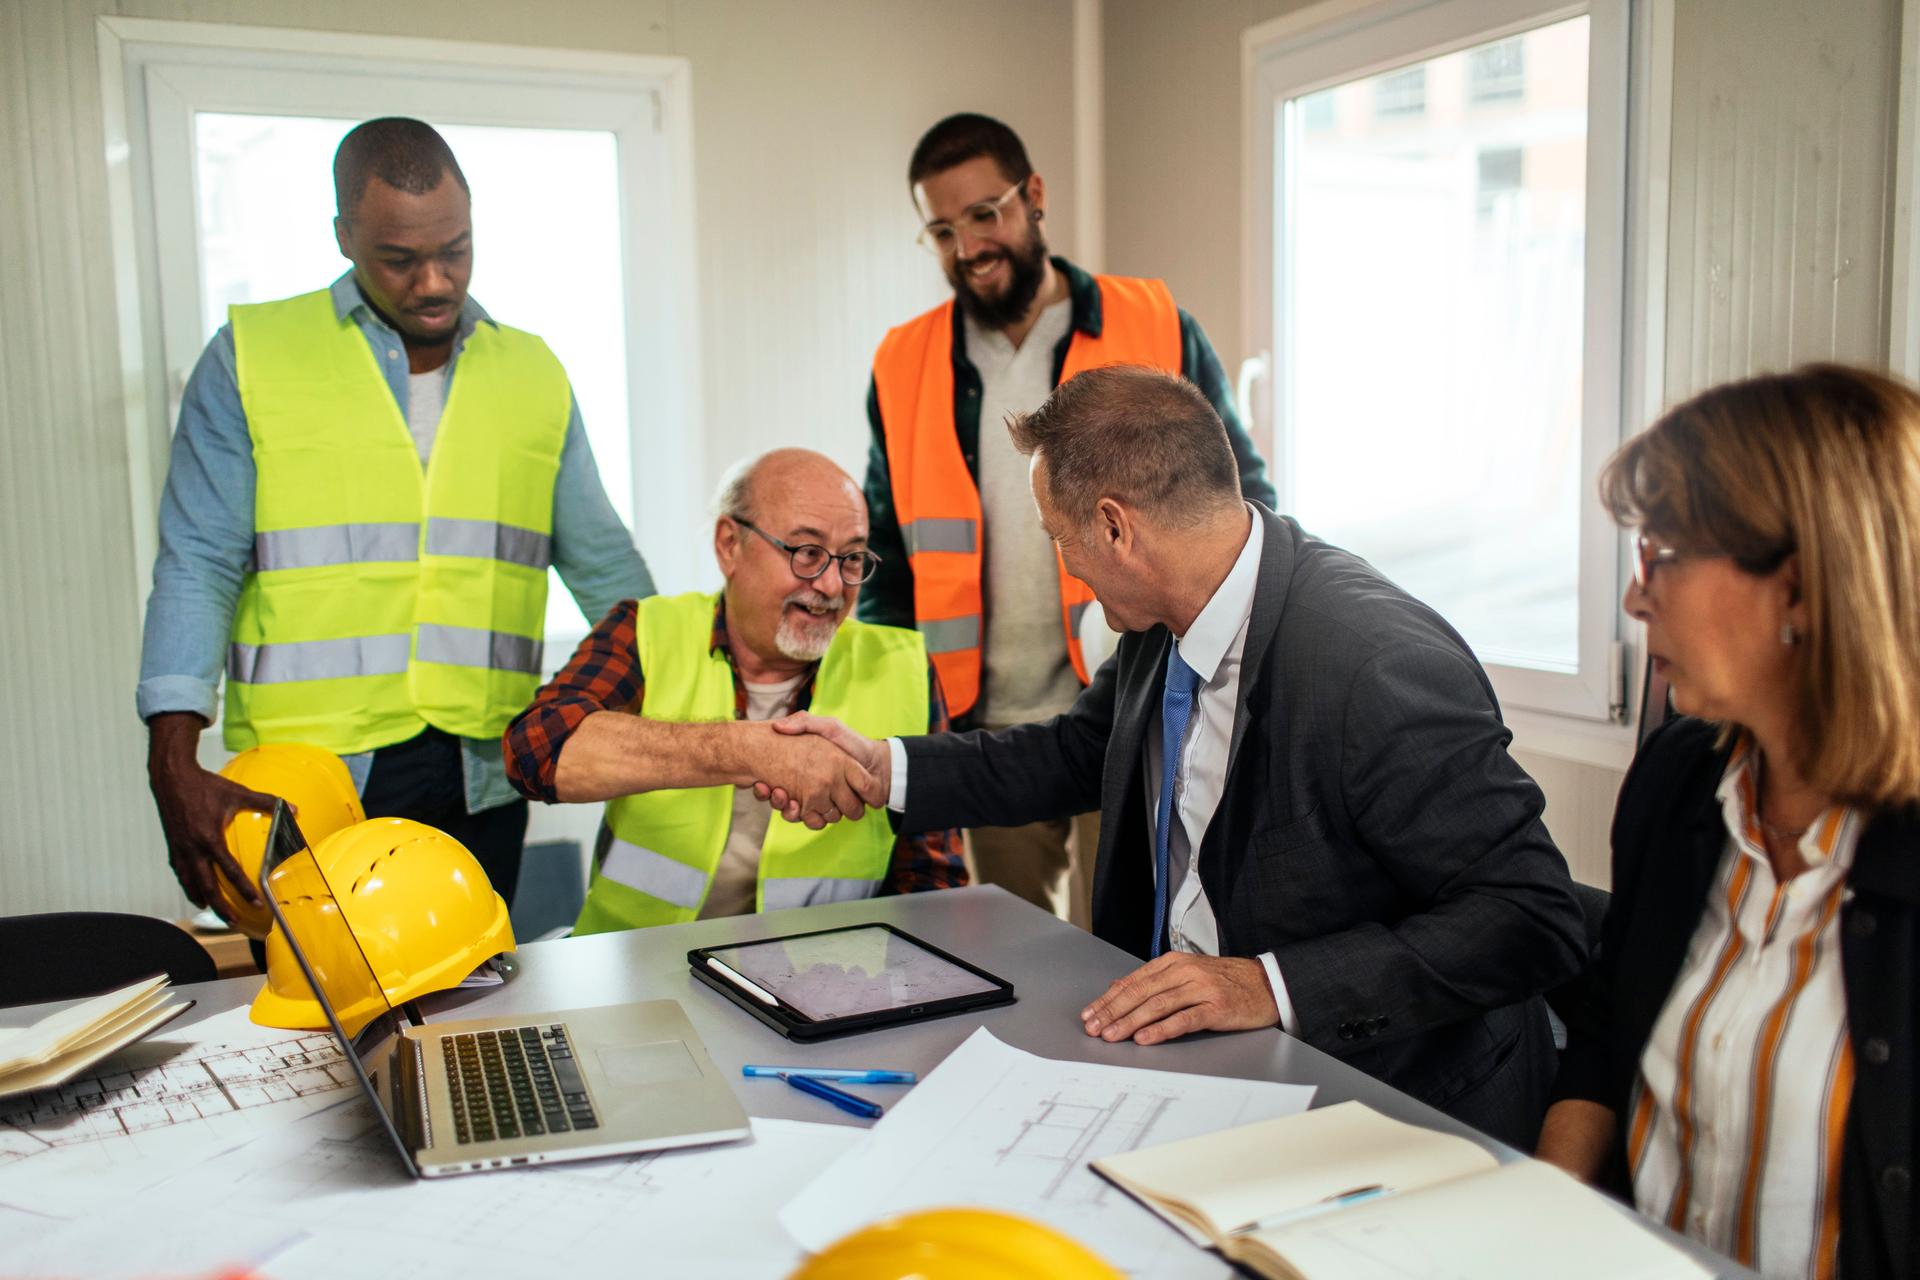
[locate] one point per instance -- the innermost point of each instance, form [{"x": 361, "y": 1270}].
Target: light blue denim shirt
[{"x": 206, "y": 537}]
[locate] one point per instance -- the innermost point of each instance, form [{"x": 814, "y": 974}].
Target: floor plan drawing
[
  {"x": 215, "y": 1084},
  {"x": 1070, "y": 1128},
  {"x": 134, "y": 1098}
]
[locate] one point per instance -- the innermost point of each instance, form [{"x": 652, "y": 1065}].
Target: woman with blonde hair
[{"x": 1753, "y": 1079}]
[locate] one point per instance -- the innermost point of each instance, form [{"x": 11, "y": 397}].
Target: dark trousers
[{"x": 421, "y": 779}]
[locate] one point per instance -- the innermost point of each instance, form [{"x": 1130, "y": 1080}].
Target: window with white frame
[
  {"x": 582, "y": 215},
  {"x": 1441, "y": 294}
]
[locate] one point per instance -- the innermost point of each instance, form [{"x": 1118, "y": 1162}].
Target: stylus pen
[
  {"x": 840, "y": 1098},
  {"x": 844, "y": 1075}
]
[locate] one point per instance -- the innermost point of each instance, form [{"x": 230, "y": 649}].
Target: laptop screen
[{"x": 329, "y": 955}]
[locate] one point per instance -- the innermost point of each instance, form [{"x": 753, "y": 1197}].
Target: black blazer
[
  {"x": 1668, "y": 839},
  {"x": 1374, "y": 834}
]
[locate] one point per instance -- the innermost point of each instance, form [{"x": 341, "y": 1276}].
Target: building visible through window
[
  {"x": 1317, "y": 110},
  {"x": 1497, "y": 72},
  {"x": 1502, "y": 172},
  {"x": 1401, "y": 93}
]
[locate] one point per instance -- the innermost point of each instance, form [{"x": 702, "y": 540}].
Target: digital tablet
[{"x": 808, "y": 986}]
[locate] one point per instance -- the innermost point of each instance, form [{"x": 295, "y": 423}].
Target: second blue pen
[{"x": 850, "y": 1103}]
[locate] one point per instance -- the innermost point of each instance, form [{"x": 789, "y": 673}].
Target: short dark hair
[
  {"x": 407, "y": 154},
  {"x": 958, "y": 139},
  {"x": 1143, "y": 436}
]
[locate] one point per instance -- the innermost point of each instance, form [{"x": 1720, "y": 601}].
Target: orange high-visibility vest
[{"x": 936, "y": 497}]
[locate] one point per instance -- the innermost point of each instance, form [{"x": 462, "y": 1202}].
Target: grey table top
[{"x": 1055, "y": 970}]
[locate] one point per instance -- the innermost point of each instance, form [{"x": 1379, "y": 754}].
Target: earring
[{"x": 1788, "y": 636}]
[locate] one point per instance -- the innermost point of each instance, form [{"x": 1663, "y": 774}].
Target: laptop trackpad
[{"x": 643, "y": 1064}]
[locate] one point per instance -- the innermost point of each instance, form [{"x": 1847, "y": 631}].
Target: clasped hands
[{"x": 817, "y": 771}]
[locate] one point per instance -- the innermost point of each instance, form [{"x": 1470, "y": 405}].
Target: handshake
[{"x": 815, "y": 770}]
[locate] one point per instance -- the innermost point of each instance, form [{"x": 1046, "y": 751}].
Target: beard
[
  {"x": 802, "y": 636},
  {"x": 1027, "y": 267}
]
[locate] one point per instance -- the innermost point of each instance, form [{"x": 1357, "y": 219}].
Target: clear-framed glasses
[
  {"x": 1649, "y": 555},
  {"x": 977, "y": 220},
  {"x": 809, "y": 559}
]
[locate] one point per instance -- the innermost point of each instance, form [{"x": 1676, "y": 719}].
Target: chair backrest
[
  {"x": 66, "y": 954},
  {"x": 553, "y": 885}
]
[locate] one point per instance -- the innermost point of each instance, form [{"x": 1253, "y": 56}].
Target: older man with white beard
[{"x": 663, "y": 713}]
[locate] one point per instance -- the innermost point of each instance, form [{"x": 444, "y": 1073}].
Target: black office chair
[{"x": 66, "y": 954}]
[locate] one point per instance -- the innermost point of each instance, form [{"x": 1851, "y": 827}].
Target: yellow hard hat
[
  {"x": 956, "y": 1244},
  {"x": 311, "y": 779},
  {"x": 423, "y": 911}
]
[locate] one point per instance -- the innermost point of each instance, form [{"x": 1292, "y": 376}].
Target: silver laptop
[{"x": 491, "y": 1093}]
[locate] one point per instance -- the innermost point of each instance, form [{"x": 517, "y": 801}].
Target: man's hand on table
[
  {"x": 1178, "y": 993},
  {"x": 870, "y": 774},
  {"x": 195, "y": 808}
]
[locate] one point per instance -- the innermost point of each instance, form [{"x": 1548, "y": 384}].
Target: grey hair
[{"x": 733, "y": 500}]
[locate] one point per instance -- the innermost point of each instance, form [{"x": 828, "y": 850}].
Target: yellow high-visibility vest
[
  {"x": 383, "y": 598},
  {"x": 667, "y": 843}
]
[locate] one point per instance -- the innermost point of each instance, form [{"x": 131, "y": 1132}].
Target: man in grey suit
[{"x": 1309, "y": 816}]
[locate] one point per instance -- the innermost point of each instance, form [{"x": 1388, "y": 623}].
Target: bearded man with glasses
[
  {"x": 963, "y": 558},
  {"x": 663, "y": 713}
]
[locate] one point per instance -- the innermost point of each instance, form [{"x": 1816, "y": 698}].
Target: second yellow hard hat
[
  {"x": 311, "y": 779},
  {"x": 956, "y": 1244}
]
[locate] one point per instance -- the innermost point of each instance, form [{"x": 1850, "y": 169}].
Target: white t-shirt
[
  {"x": 738, "y": 875},
  {"x": 1028, "y": 675}
]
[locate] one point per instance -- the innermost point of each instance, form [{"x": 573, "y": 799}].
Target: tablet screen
[{"x": 848, "y": 972}]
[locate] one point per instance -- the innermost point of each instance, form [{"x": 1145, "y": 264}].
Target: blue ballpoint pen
[
  {"x": 839, "y": 1075},
  {"x": 840, "y": 1098}
]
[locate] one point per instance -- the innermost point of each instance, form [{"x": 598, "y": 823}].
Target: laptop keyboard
[{"x": 519, "y": 1082}]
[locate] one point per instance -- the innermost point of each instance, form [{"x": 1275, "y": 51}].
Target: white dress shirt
[{"x": 1213, "y": 647}]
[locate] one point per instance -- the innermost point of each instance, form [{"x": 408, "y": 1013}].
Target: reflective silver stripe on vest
[
  {"x": 477, "y": 647},
  {"x": 798, "y": 892},
  {"x": 488, "y": 540},
  {"x": 940, "y": 533},
  {"x": 951, "y": 635},
  {"x": 655, "y": 874},
  {"x": 1075, "y": 612},
  {"x": 326, "y": 544},
  {"x": 317, "y": 659}
]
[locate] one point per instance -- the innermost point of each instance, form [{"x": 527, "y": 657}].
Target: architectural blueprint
[
  {"x": 999, "y": 1127},
  {"x": 157, "y": 1104},
  {"x": 327, "y": 1196}
]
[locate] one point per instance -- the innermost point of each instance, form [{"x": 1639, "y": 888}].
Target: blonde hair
[{"x": 1822, "y": 463}]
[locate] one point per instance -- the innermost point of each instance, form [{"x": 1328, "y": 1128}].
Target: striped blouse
[{"x": 1741, "y": 1101}]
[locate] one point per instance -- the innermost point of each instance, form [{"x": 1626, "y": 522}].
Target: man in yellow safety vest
[
  {"x": 663, "y": 712},
  {"x": 367, "y": 488}
]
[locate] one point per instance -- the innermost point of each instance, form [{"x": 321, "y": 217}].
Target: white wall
[
  {"x": 1781, "y": 176},
  {"x": 804, "y": 116}
]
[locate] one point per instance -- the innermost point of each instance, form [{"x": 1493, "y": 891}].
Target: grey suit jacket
[{"x": 1374, "y": 833}]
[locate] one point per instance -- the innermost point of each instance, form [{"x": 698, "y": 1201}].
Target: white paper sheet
[
  {"x": 999, "y": 1127},
  {"x": 159, "y": 1106},
  {"x": 327, "y": 1197}
]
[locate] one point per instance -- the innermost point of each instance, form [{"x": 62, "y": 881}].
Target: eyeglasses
[
  {"x": 1649, "y": 555},
  {"x": 809, "y": 559},
  {"x": 978, "y": 220}
]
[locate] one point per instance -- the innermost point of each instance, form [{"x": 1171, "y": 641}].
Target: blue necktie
[{"x": 1176, "y": 708}]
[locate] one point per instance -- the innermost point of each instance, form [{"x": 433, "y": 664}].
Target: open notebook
[
  {"x": 1344, "y": 1193},
  {"x": 61, "y": 1045}
]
